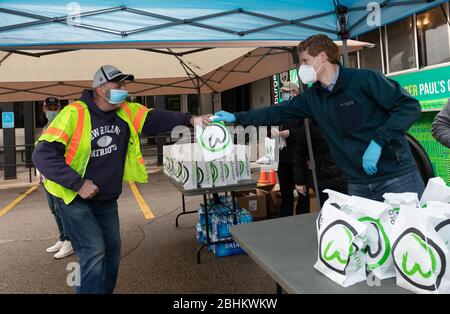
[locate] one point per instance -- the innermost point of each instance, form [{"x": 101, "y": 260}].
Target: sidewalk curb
[{"x": 17, "y": 186}]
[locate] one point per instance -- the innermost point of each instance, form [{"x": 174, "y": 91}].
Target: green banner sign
[{"x": 431, "y": 87}]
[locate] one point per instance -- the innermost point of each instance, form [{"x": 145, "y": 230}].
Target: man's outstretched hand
[
  {"x": 203, "y": 120},
  {"x": 224, "y": 116}
]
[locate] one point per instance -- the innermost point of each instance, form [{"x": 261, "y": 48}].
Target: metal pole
[
  {"x": 342, "y": 16},
  {"x": 296, "y": 60},
  {"x": 199, "y": 95},
  {"x": 345, "y": 51},
  {"x": 312, "y": 161}
]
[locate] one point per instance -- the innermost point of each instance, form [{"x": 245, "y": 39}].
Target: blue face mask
[
  {"x": 50, "y": 115},
  {"x": 117, "y": 96}
]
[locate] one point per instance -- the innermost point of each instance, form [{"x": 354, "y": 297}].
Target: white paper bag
[
  {"x": 336, "y": 198},
  {"x": 270, "y": 145},
  {"x": 340, "y": 242},
  {"x": 379, "y": 219},
  {"x": 242, "y": 165},
  {"x": 396, "y": 200},
  {"x": 420, "y": 248},
  {"x": 215, "y": 141},
  {"x": 204, "y": 177},
  {"x": 167, "y": 160},
  {"x": 436, "y": 190},
  {"x": 230, "y": 171},
  {"x": 218, "y": 173},
  {"x": 189, "y": 175}
]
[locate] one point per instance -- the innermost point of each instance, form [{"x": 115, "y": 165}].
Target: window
[
  {"x": 371, "y": 58},
  {"x": 193, "y": 104},
  {"x": 353, "y": 60},
  {"x": 432, "y": 33},
  {"x": 173, "y": 102},
  {"x": 150, "y": 101},
  {"x": 401, "y": 45}
]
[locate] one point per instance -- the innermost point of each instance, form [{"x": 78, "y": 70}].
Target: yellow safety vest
[{"x": 72, "y": 128}]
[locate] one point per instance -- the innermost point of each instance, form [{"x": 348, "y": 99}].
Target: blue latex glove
[
  {"x": 225, "y": 117},
  {"x": 371, "y": 157}
]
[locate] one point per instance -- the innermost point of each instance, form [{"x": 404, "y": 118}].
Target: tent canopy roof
[
  {"x": 44, "y": 24},
  {"x": 33, "y": 75}
]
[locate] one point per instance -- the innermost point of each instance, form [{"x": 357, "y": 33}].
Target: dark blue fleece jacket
[
  {"x": 109, "y": 140},
  {"x": 364, "y": 105}
]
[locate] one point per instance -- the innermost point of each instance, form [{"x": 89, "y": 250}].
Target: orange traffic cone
[
  {"x": 273, "y": 177},
  {"x": 263, "y": 178}
]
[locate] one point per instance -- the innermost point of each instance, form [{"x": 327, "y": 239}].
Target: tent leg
[
  {"x": 345, "y": 51},
  {"x": 295, "y": 58},
  {"x": 312, "y": 162},
  {"x": 199, "y": 97},
  {"x": 342, "y": 17}
]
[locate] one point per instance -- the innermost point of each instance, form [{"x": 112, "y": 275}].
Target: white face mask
[{"x": 307, "y": 73}]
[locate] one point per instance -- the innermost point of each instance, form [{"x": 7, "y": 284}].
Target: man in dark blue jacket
[{"x": 363, "y": 115}]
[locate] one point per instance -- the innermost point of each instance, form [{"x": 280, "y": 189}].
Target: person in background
[
  {"x": 287, "y": 134},
  {"x": 440, "y": 128},
  {"x": 329, "y": 176},
  {"x": 63, "y": 247}
]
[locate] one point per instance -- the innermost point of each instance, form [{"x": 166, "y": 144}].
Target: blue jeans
[
  {"x": 93, "y": 228},
  {"x": 410, "y": 182},
  {"x": 54, "y": 208}
]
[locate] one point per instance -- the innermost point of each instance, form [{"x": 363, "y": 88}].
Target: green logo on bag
[
  {"x": 227, "y": 171},
  {"x": 380, "y": 250},
  {"x": 339, "y": 234},
  {"x": 336, "y": 254},
  {"x": 417, "y": 268},
  {"x": 419, "y": 260},
  {"x": 214, "y": 172},
  {"x": 179, "y": 169},
  {"x": 241, "y": 167},
  {"x": 200, "y": 175},
  {"x": 185, "y": 175},
  {"x": 215, "y": 137}
]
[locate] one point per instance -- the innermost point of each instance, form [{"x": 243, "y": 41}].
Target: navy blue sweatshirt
[{"x": 109, "y": 140}]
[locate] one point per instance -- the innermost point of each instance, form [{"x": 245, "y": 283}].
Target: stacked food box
[{"x": 185, "y": 164}]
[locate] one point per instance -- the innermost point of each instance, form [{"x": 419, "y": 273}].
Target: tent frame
[
  {"x": 197, "y": 80},
  {"x": 340, "y": 11},
  {"x": 343, "y": 32}
]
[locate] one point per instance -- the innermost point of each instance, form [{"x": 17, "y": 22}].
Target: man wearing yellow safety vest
[{"x": 85, "y": 154}]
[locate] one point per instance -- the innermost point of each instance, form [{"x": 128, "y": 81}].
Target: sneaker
[
  {"x": 65, "y": 250},
  {"x": 55, "y": 248}
]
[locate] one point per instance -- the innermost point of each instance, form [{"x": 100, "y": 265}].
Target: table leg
[
  {"x": 279, "y": 290},
  {"x": 233, "y": 199},
  {"x": 205, "y": 204},
  {"x": 199, "y": 251},
  {"x": 208, "y": 241}
]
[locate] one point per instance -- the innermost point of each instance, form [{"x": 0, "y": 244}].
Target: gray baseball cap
[{"x": 109, "y": 73}]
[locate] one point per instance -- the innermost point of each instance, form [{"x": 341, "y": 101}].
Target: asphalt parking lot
[{"x": 157, "y": 257}]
